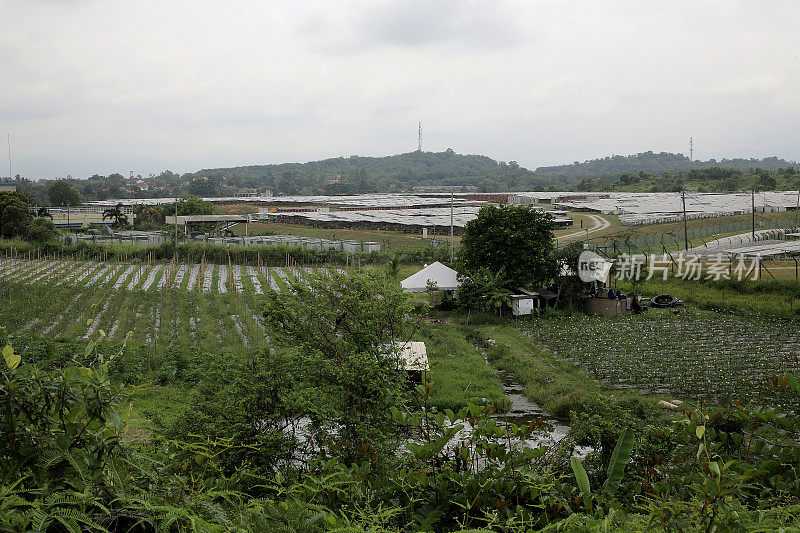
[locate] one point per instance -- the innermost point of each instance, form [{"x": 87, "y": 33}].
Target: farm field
[
  {"x": 184, "y": 309},
  {"x": 143, "y": 277},
  {"x": 693, "y": 354},
  {"x": 168, "y": 307}
]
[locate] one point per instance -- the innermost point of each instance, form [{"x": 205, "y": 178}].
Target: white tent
[{"x": 445, "y": 278}]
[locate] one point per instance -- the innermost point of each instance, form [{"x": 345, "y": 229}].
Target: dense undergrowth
[{"x": 316, "y": 433}]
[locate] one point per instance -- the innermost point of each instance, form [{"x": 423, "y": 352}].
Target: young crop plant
[{"x": 693, "y": 354}]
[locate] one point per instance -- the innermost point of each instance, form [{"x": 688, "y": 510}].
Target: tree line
[
  {"x": 713, "y": 179},
  {"x": 404, "y": 172}
]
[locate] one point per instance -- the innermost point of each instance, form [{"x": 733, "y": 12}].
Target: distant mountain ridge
[
  {"x": 646, "y": 171},
  {"x": 362, "y": 173},
  {"x": 654, "y": 163},
  {"x": 404, "y": 171}
]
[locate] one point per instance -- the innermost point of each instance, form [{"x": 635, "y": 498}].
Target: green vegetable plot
[{"x": 692, "y": 354}]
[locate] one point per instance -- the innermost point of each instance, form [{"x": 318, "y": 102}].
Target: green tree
[
  {"x": 485, "y": 289},
  {"x": 42, "y": 230},
  {"x": 149, "y": 217},
  {"x": 62, "y": 194},
  {"x": 15, "y": 215},
  {"x": 518, "y": 239},
  {"x": 570, "y": 287},
  {"x": 115, "y": 213},
  {"x": 191, "y": 205},
  {"x": 265, "y": 406},
  {"x": 342, "y": 328}
]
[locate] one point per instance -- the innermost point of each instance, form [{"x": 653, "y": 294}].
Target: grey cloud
[
  {"x": 421, "y": 22},
  {"x": 186, "y": 84},
  {"x": 356, "y": 28}
]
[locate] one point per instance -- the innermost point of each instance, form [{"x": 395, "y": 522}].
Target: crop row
[
  {"x": 204, "y": 278},
  {"x": 691, "y": 354},
  {"x": 159, "y": 321},
  {"x": 167, "y": 308}
]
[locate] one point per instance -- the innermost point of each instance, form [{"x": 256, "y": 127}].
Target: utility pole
[
  {"x": 176, "y": 224},
  {"x": 685, "y": 231},
  {"x": 753, "y": 209},
  {"x": 797, "y": 212},
  {"x": 452, "y": 244},
  {"x": 691, "y": 149},
  {"x": 10, "y": 174}
]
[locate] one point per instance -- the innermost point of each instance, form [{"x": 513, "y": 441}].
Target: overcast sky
[{"x": 103, "y": 86}]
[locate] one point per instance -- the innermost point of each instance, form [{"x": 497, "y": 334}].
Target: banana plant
[{"x": 614, "y": 474}]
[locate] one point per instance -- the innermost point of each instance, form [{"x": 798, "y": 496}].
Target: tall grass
[
  {"x": 459, "y": 371},
  {"x": 778, "y": 298}
]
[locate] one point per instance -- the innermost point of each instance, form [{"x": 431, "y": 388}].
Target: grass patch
[
  {"x": 554, "y": 383},
  {"x": 149, "y": 405},
  {"x": 774, "y": 298},
  {"x": 392, "y": 240},
  {"x": 459, "y": 371}
]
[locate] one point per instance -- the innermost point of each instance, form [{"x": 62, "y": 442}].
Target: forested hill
[
  {"x": 652, "y": 163},
  {"x": 647, "y": 171},
  {"x": 359, "y": 174}
]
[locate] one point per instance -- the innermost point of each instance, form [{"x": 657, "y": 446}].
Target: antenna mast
[
  {"x": 691, "y": 149},
  {"x": 419, "y": 137},
  {"x": 10, "y": 174}
]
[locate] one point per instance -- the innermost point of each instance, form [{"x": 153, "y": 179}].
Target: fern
[
  {"x": 69, "y": 524},
  {"x": 118, "y": 476},
  {"x": 73, "y": 516},
  {"x": 77, "y": 459}
]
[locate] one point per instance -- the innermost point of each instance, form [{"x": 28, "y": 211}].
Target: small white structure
[
  {"x": 413, "y": 356},
  {"x": 521, "y": 304},
  {"x": 443, "y": 277}
]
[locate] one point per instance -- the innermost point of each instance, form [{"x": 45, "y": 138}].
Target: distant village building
[
  {"x": 8, "y": 187},
  {"x": 445, "y": 188}
]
